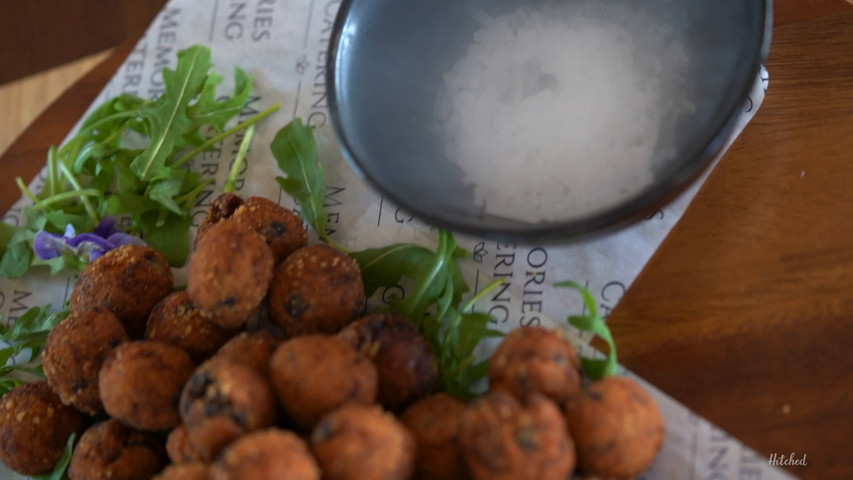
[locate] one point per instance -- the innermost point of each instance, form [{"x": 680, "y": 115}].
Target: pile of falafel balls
[{"x": 172, "y": 384}]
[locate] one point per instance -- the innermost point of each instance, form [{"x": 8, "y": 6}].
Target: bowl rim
[{"x": 636, "y": 208}]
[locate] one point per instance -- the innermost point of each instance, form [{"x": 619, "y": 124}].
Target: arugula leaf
[
  {"x": 18, "y": 255},
  {"x": 6, "y": 233},
  {"x": 98, "y": 168},
  {"x": 463, "y": 332},
  {"x": 60, "y": 471},
  {"x": 207, "y": 110},
  {"x": 65, "y": 260},
  {"x": 295, "y": 151},
  {"x": 168, "y": 117},
  {"x": 237, "y": 165},
  {"x": 171, "y": 238},
  {"x": 164, "y": 190},
  {"x": 432, "y": 304},
  {"x": 388, "y": 265},
  {"x": 439, "y": 280},
  {"x": 595, "y": 368},
  {"x": 34, "y": 323},
  {"x": 28, "y": 334}
]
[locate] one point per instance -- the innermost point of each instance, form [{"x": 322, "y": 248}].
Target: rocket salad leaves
[
  {"x": 295, "y": 152},
  {"x": 434, "y": 303},
  {"x": 130, "y": 158},
  {"x": 27, "y": 336}
]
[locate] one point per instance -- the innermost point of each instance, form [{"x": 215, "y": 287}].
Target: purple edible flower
[{"x": 104, "y": 238}]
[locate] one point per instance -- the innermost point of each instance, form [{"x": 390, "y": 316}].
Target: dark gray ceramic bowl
[{"x": 388, "y": 62}]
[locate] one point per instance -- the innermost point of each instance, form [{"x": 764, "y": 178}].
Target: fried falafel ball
[
  {"x": 185, "y": 471},
  {"x": 253, "y": 349},
  {"x": 141, "y": 382},
  {"x": 223, "y": 400},
  {"x": 112, "y": 450},
  {"x": 177, "y": 321},
  {"x": 128, "y": 281},
  {"x": 536, "y": 359},
  {"x": 361, "y": 442},
  {"x": 229, "y": 273},
  {"x": 74, "y": 352},
  {"x": 317, "y": 289},
  {"x": 220, "y": 209},
  {"x": 34, "y": 428},
  {"x": 178, "y": 447},
  {"x": 404, "y": 359},
  {"x": 283, "y": 230},
  {"x": 503, "y": 439},
  {"x": 315, "y": 374},
  {"x": 617, "y": 427},
  {"x": 266, "y": 455},
  {"x": 434, "y": 421}
]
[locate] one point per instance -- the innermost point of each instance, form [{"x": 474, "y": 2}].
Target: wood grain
[
  {"x": 41, "y": 34},
  {"x": 744, "y": 313},
  {"x": 27, "y": 155},
  {"x": 23, "y": 100},
  {"x": 790, "y": 11}
]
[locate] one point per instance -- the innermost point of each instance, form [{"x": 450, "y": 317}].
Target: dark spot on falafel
[
  {"x": 197, "y": 386},
  {"x": 79, "y": 385},
  {"x": 296, "y": 306},
  {"x": 526, "y": 437},
  {"x": 227, "y": 302},
  {"x": 323, "y": 431},
  {"x": 274, "y": 229}
]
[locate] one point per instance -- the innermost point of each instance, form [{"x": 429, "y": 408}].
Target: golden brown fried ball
[
  {"x": 503, "y": 439},
  {"x": 317, "y": 289},
  {"x": 178, "y": 447},
  {"x": 208, "y": 438},
  {"x": 141, "y": 382},
  {"x": 266, "y": 455},
  {"x": 229, "y": 273},
  {"x": 361, "y": 442},
  {"x": 223, "y": 400},
  {"x": 283, "y": 230},
  {"x": 315, "y": 374},
  {"x": 128, "y": 281},
  {"x": 434, "y": 421},
  {"x": 403, "y": 358},
  {"x": 253, "y": 349},
  {"x": 112, "y": 450},
  {"x": 34, "y": 428},
  {"x": 536, "y": 359},
  {"x": 185, "y": 471},
  {"x": 177, "y": 321},
  {"x": 617, "y": 427},
  {"x": 220, "y": 209},
  {"x": 74, "y": 352}
]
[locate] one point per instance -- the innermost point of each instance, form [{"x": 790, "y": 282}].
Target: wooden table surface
[{"x": 745, "y": 313}]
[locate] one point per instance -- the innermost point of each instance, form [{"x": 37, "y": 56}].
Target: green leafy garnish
[
  {"x": 130, "y": 158},
  {"x": 434, "y": 302},
  {"x": 231, "y": 181},
  {"x": 27, "y": 336},
  {"x": 295, "y": 152},
  {"x": 440, "y": 280},
  {"x": 60, "y": 471},
  {"x": 595, "y": 368}
]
